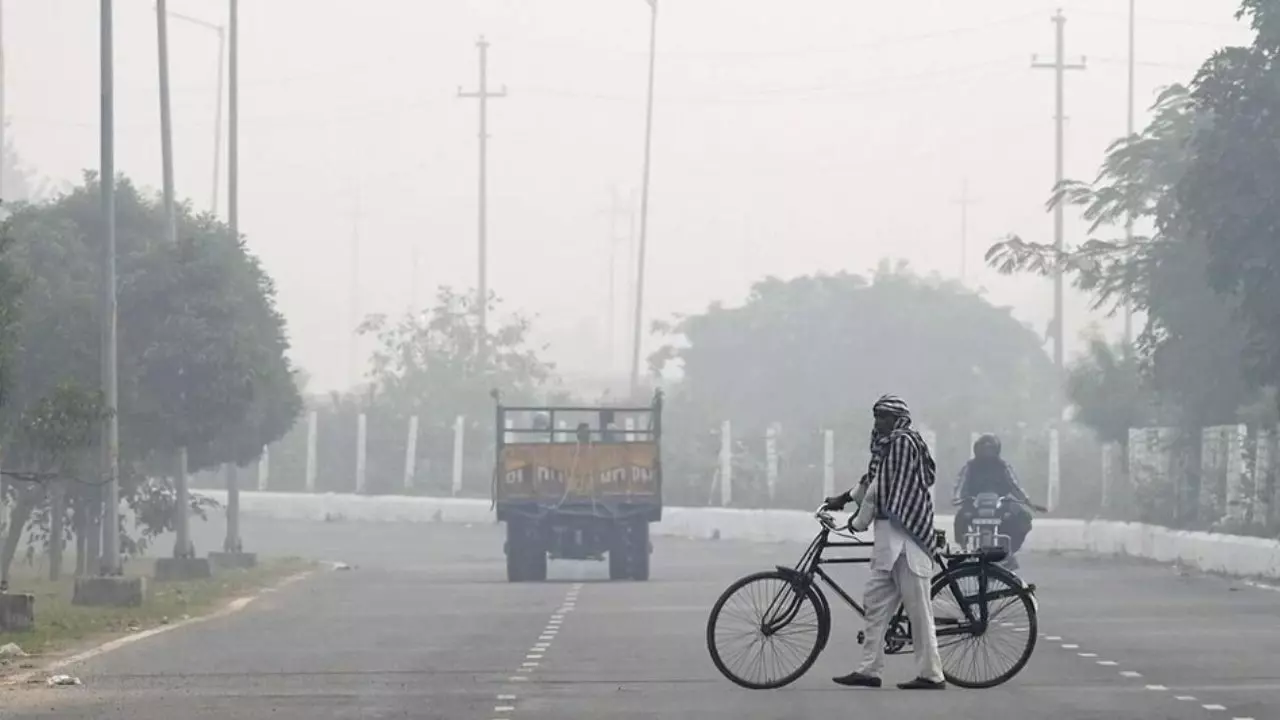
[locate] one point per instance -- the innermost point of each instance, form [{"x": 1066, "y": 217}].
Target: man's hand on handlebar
[{"x": 837, "y": 502}]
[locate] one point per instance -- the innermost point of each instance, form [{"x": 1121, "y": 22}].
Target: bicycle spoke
[
  {"x": 979, "y": 659},
  {"x": 765, "y": 632}
]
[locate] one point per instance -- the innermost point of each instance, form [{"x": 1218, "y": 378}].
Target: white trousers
[{"x": 885, "y": 589}]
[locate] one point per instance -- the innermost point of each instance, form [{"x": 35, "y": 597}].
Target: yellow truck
[{"x": 578, "y": 483}]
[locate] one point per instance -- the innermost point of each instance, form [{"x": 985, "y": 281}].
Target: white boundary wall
[{"x": 1228, "y": 554}]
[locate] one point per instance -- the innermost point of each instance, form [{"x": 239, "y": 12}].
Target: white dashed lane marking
[
  {"x": 1133, "y": 674},
  {"x": 504, "y": 710}
]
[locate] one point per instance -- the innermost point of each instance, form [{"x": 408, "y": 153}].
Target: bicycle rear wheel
[
  {"x": 766, "y": 630},
  {"x": 974, "y": 656}
]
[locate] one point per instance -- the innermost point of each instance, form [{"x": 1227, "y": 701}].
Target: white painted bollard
[
  {"x": 1054, "y": 477},
  {"x": 411, "y": 453},
  {"x": 312, "y": 422},
  {"x": 508, "y": 437},
  {"x": 264, "y": 468},
  {"x": 1237, "y": 500},
  {"x": 1263, "y": 463},
  {"x": 562, "y": 434},
  {"x": 458, "y": 432},
  {"x": 771, "y": 459},
  {"x": 630, "y": 425},
  {"x": 726, "y": 464},
  {"x": 828, "y": 463},
  {"x": 362, "y": 437}
]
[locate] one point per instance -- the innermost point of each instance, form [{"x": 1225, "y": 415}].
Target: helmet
[{"x": 987, "y": 446}]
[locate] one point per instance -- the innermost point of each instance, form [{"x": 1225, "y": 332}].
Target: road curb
[{"x": 230, "y": 608}]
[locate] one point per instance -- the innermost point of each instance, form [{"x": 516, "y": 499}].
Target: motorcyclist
[{"x": 987, "y": 472}]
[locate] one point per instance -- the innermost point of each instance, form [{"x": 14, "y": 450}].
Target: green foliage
[
  {"x": 60, "y": 424},
  {"x": 1227, "y": 196},
  {"x": 433, "y": 363},
  {"x": 202, "y": 350},
  {"x": 1190, "y": 347},
  {"x": 815, "y": 352},
  {"x": 1106, "y": 387}
]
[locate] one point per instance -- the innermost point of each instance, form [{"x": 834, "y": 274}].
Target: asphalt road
[{"x": 426, "y": 627}]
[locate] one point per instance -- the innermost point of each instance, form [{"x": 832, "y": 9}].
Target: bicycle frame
[{"x": 812, "y": 561}]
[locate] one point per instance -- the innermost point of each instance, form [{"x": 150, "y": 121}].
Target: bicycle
[{"x": 977, "y": 620}]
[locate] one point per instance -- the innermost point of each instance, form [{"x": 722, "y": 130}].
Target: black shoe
[
  {"x": 857, "y": 679},
  {"x": 922, "y": 684}
]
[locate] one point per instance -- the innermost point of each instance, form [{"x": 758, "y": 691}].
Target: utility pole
[
  {"x": 618, "y": 208},
  {"x": 1060, "y": 66},
  {"x": 1129, "y": 128},
  {"x": 4, "y": 117},
  {"x": 221, "y": 31},
  {"x": 644, "y": 206},
  {"x": 182, "y": 546},
  {"x": 964, "y": 201},
  {"x": 232, "y": 542},
  {"x": 353, "y": 297},
  {"x": 483, "y": 94},
  {"x": 110, "y": 561}
]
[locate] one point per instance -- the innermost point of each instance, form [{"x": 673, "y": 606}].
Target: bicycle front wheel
[
  {"x": 766, "y": 630},
  {"x": 977, "y": 654}
]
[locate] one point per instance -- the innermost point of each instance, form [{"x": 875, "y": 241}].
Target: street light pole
[
  {"x": 110, "y": 561},
  {"x": 182, "y": 546},
  {"x": 221, "y": 31},
  {"x": 638, "y": 321},
  {"x": 232, "y": 542},
  {"x": 1128, "y": 226}
]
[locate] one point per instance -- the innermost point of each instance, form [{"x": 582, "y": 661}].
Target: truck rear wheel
[
  {"x": 618, "y": 554},
  {"x": 526, "y": 556},
  {"x": 629, "y": 551},
  {"x": 640, "y": 551}
]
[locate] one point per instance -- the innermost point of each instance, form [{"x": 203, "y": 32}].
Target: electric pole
[
  {"x": 4, "y": 118},
  {"x": 1129, "y": 128},
  {"x": 110, "y": 561},
  {"x": 964, "y": 201},
  {"x": 483, "y": 94},
  {"x": 624, "y": 209},
  {"x": 353, "y": 297},
  {"x": 232, "y": 542},
  {"x": 637, "y": 329},
  {"x": 182, "y": 545},
  {"x": 1060, "y": 66}
]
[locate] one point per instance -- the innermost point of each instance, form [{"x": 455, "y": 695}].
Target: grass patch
[{"x": 60, "y": 626}]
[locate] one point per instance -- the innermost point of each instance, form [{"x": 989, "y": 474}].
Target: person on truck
[
  {"x": 987, "y": 472},
  {"x": 896, "y": 494}
]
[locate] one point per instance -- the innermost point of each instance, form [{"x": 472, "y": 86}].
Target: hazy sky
[{"x": 811, "y": 135}]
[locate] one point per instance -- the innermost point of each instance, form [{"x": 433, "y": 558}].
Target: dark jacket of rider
[{"x": 988, "y": 474}]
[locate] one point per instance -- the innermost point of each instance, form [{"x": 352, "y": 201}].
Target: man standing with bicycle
[{"x": 897, "y": 494}]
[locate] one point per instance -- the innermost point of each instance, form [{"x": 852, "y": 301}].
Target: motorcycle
[{"x": 984, "y": 526}]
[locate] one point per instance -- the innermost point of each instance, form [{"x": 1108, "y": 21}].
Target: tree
[
  {"x": 201, "y": 347},
  {"x": 1227, "y": 195},
  {"x": 438, "y": 358},
  {"x": 1106, "y": 387},
  {"x": 815, "y": 352},
  {"x": 52, "y": 439},
  {"x": 1191, "y": 342},
  {"x": 437, "y": 364}
]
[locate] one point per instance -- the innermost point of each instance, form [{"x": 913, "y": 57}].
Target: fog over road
[{"x": 426, "y": 626}]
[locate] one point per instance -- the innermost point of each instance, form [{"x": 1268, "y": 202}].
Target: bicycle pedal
[{"x": 862, "y": 637}]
